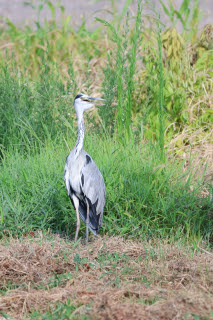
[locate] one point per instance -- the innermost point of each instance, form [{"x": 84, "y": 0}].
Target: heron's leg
[
  {"x": 76, "y": 203},
  {"x": 87, "y": 223},
  {"x": 77, "y": 224}
]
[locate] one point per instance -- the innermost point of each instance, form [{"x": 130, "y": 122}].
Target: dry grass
[
  {"x": 198, "y": 154},
  {"x": 119, "y": 279}
]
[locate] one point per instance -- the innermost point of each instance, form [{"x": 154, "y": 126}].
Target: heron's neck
[{"x": 80, "y": 140}]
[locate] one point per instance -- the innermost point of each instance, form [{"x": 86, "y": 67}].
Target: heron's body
[{"x": 84, "y": 182}]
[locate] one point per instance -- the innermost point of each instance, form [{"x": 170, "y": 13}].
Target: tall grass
[
  {"x": 188, "y": 14},
  {"x": 132, "y": 67},
  {"x": 124, "y": 64},
  {"x": 32, "y": 111},
  {"x": 148, "y": 90},
  {"x": 145, "y": 198}
]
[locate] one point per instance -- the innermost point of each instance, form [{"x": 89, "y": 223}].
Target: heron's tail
[{"x": 94, "y": 231}]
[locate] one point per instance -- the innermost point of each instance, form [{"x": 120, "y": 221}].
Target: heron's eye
[{"x": 86, "y": 100}]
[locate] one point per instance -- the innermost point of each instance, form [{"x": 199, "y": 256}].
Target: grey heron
[{"x": 83, "y": 180}]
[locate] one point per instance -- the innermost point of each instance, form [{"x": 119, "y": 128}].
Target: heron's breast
[{"x": 73, "y": 170}]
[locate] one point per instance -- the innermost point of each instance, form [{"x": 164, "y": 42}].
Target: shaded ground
[{"x": 111, "y": 279}]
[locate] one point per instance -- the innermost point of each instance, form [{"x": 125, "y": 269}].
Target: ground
[{"x": 112, "y": 278}]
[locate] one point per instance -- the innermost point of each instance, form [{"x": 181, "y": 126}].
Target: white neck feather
[{"x": 80, "y": 140}]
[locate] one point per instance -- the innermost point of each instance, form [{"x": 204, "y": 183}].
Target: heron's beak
[{"x": 92, "y": 99}]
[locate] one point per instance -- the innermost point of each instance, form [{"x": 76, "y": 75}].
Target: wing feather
[{"x": 93, "y": 188}]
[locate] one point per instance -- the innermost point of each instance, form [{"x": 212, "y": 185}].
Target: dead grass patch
[
  {"x": 198, "y": 154},
  {"x": 118, "y": 278}
]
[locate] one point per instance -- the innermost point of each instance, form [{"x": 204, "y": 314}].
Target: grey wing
[{"x": 93, "y": 188}]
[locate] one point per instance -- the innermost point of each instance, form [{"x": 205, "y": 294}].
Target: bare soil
[{"x": 112, "y": 278}]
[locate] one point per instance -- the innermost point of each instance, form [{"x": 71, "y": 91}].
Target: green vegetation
[
  {"x": 145, "y": 197},
  {"x": 61, "y": 311},
  {"x": 154, "y": 90},
  {"x": 157, "y": 86}
]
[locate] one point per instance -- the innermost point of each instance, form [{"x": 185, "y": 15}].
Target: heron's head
[{"x": 83, "y": 102}]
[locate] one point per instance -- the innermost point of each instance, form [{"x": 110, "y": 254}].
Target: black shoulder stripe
[
  {"x": 88, "y": 159},
  {"x": 71, "y": 189},
  {"x": 82, "y": 179}
]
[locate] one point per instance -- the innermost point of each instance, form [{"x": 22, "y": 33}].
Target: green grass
[
  {"x": 145, "y": 197},
  {"x": 151, "y": 80},
  {"x": 155, "y": 89},
  {"x": 31, "y": 111},
  {"x": 152, "y": 91},
  {"x": 62, "y": 311},
  {"x": 122, "y": 82}
]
